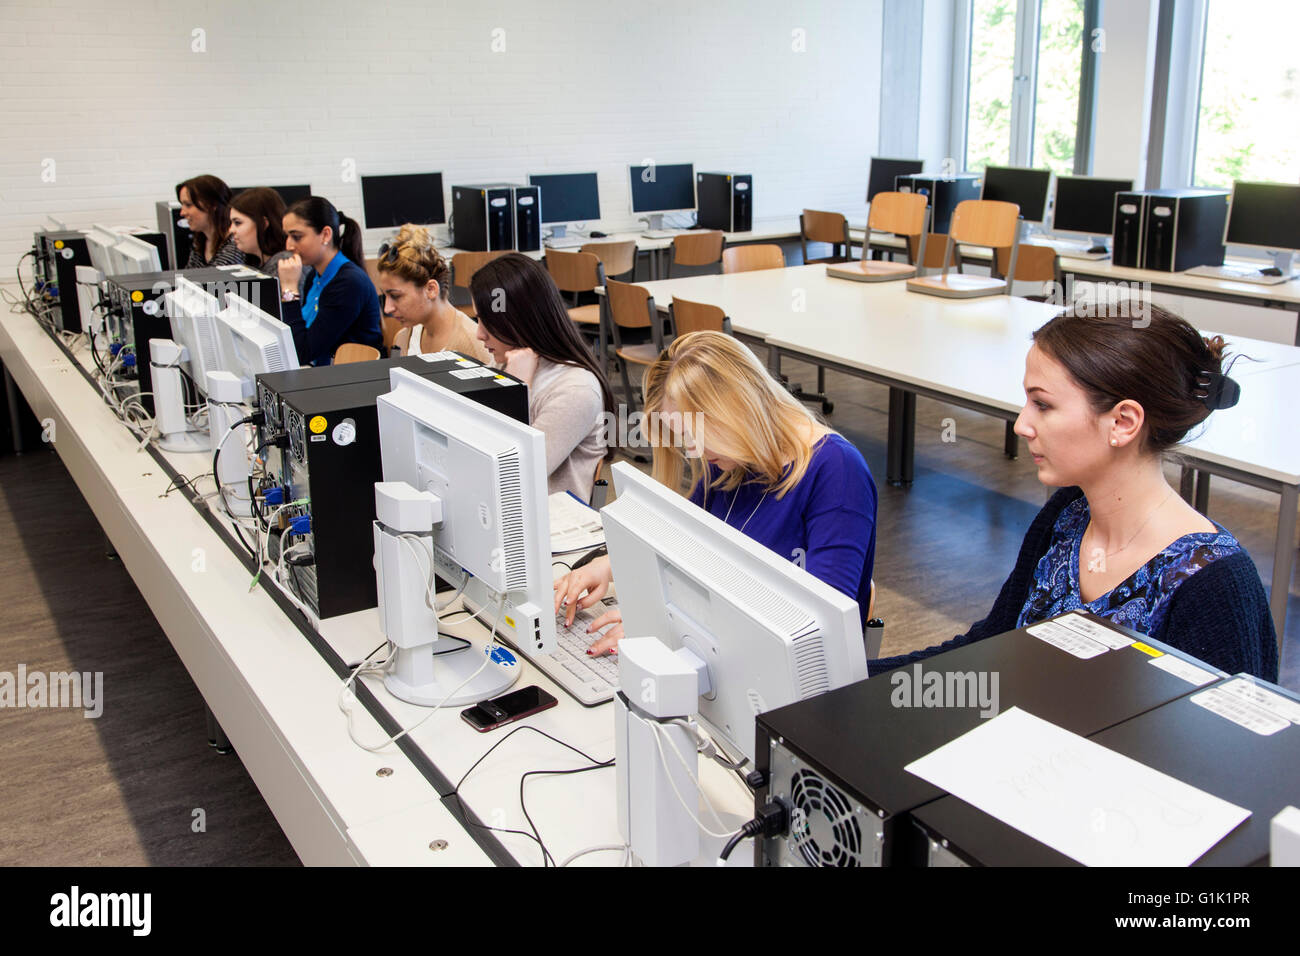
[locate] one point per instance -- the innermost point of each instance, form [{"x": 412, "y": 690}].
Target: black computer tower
[
  {"x": 1169, "y": 230},
  {"x": 725, "y": 201},
  {"x": 944, "y": 192},
  {"x": 138, "y": 312},
  {"x": 483, "y": 217},
  {"x": 61, "y": 253},
  {"x": 176, "y": 236},
  {"x": 330, "y": 454},
  {"x": 528, "y": 217}
]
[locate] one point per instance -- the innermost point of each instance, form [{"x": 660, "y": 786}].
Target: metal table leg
[
  {"x": 1283, "y": 559},
  {"x": 15, "y": 420},
  {"x": 1202, "y": 492}
]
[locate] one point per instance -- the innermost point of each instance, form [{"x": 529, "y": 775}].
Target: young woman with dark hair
[
  {"x": 205, "y": 205},
  {"x": 523, "y": 322},
  {"x": 338, "y": 303},
  {"x": 257, "y": 226},
  {"x": 1104, "y": 402},
  {"x": 414, "y": 279}
]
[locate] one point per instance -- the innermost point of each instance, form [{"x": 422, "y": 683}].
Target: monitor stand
[
  {"x": 559, "y": 232},
  {"x": 654, "y": 222},
  {"x": 1099, "y": 246},
  {"x": 1282, "y": 262}
]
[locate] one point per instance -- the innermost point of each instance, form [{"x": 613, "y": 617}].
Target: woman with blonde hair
[
  {"x": 414, "y": 279},
  {"x": 758, "y": 460}
]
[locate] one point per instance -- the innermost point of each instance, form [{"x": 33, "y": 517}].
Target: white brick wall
[{"x": 115, "y": 96}]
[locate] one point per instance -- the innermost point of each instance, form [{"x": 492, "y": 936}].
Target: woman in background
[
  {"x": 205, "y": 205},
  {"x": 257, "y": 226}
]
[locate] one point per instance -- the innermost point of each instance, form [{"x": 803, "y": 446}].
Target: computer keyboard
[
  {"x": 567, "y": 242},
  {"x": 591, "y": 680},
  {"x": 1237, "y": 274}
]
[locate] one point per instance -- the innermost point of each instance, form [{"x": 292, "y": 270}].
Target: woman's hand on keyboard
[
  {"x": 610, "y": 638},
  {"x": 582, "y": 588}
]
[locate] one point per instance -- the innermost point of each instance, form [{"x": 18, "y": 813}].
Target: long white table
[
  {"x": 971, "y": 353},
  {"x": 273, "y": 682}
]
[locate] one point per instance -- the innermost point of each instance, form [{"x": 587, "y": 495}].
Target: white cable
[
  {"x": 487, "y": 658},
  {"x": 657, "y": 730},
  {"x": 430, "y": 597},
  {"x": 621, "y": 847}
]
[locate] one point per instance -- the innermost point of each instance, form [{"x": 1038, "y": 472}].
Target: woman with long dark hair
[
  {"x": 523, "y": 322},
  {"x": 205, "y": 205},
  {"x": 338, "y": 303},
  {"x": 257, "y": 226}
]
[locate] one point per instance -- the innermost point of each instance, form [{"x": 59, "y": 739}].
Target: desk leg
[
  {"x": 1283, "y": 559},
  {"x": 907, "y": 464},
  {"x": 1187, "y": 484},
  {"x": 901, "y": 444},
  {"x": 1011, "y": 444},
  {"x": 15, "y": 419},
  {"x": 1202, "y": 503},
  {"x": 774, "y": 361},
  {"x": 217, "y": 738}
]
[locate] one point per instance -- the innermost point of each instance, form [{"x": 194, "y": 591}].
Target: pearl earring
[{"x": 1115, "y": 442}]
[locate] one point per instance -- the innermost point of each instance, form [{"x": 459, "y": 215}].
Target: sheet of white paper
[
  {"x": 1089, "y": 803},
  {"x": 574, "y": 526}
]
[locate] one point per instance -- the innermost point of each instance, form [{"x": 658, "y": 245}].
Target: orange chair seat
[
  {"x": 586, "y": 314},
  {"x": 638, "y": 354}
]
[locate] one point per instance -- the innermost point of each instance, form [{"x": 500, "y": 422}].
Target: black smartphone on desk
[{"x": 491, "y": 714}]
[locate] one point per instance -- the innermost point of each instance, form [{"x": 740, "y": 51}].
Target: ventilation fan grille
[
  {"x": 512, "y": 520},
  {"x": 832, "y": 835}
]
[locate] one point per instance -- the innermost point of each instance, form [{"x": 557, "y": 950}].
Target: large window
[
  {"x": 1025, "y": 83},
  {"x": 1248, "y": 125}
]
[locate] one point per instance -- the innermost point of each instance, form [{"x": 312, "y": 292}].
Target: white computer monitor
[
  {"x": 253, "y": 342},
  {"x": 133, "y": 256},
  {"x": 770, "y": 633},
  {"x": 489, "y": 471},
  {"x": 193, "y": 313},
  {"x": 100, "y": 241}
]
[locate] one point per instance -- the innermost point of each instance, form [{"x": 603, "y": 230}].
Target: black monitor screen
[
  {"x": 568, "y": 197},
  {"x": 1027, "y": 188},
  {"x": 663, "y": 188},
  {"x": 290, "y": 194},
  {"x": 885, "y": 171},
  {"x": 394, "y": 200},
  {"x": 1087, "y": 205},
  {"x": 1265, "y": 214}
]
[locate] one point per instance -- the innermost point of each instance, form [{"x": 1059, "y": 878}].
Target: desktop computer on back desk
[{"x": 321, "y": 433}]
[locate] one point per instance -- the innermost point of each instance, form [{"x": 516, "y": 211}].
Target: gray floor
[{"x": 123, "y": 789}]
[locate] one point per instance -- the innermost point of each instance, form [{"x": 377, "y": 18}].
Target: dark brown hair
[
  {"x": 265, "y": 207},
  {"x": 1161, "y": 365},
  {"x": 412, "y": 256},
  {"x": 518, "y": 303},
  {"x": 211, "y": 195},
  {"x": 318, "y": 212}
]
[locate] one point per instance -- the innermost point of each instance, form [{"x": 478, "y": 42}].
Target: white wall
[
  {"x": 114, "y": 94},
  {"x": 1124, "y": 80}
]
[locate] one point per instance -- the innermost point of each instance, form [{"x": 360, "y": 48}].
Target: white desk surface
[{"x": 277, "y": 699}]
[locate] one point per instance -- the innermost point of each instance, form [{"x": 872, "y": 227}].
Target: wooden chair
[
  {"x": 355, "y": 352},
  {"x": 390, "y": 328},
  {"x": 575, "y": 273},
  {"x": 1034, "y": 264},
  {"x": 932, "y": 256},
  {"x": 599, "y": 487},
  {"x": 688, "y": 317},
  {"x": 697, "y": 248},
  {"x": 752, "y": 258},
  {"x": 979, "y": 222},
  {"x": 463, "y": 267},
  {"x": 632, "y": 307},
  {"x": 873, "y": 634},
  {"x": 903, "y": 214},
  {"x": 816, "y": 226},
  {"x": 618, "y": 258}
]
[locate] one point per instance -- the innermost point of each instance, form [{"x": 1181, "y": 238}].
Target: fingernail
[{"x": 589, "y": 652}]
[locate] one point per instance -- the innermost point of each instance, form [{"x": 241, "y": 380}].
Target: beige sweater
[{"x": 565, "y": 404}]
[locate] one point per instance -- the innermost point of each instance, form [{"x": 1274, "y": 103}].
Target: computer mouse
[
  {"x": 1270, "y": 271},
  {"x": 597, "y": 235}
]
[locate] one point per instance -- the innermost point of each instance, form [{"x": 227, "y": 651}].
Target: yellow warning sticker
[
  {"x": 317, "y": 424},
  {"x": 511, "y": 621},
  {"x": 58, "y": 243},
  {"x": 1148, "y": 649},
  {"x": 137, "y": 296}
]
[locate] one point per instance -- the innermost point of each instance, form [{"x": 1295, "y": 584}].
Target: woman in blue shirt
[
  {"x": 1106, "y": 398},
  {"x": 759, "y": 461},
  {"x": 339, "y": 303}
]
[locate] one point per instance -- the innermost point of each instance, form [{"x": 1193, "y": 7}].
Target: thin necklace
[
  {"x": 1111, "y": 554},
  {"x": 751, "y": 514}
]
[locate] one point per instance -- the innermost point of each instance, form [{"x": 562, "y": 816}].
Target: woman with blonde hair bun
[
  {"x": 758, "y": 460},
  {"x": 414, "y": 279}
]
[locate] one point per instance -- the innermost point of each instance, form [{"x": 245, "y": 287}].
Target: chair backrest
[
  {"x": 901, "y": 213},
  {"x": 574, "y": 271},
  {"x": 985, "y": 222},
  {"x": 821, "y": 226},
  {"x": 465, "y": 264},
  {"x": 355, "y": 352},
  {"x": 390, "y": 329},
  {"x": 691, "y": 317},
  {"x": 699, "y": 248},
  {"x": 936, "y": 247},
  {"x": 618, "y": 258},
  {"x": 629, "y": 305},
  {"x": 752, "y": 258},
  {"x": 1033, "y": 263}
]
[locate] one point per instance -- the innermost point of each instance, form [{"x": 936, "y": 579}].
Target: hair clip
[{"x": 1217, "y": 390}]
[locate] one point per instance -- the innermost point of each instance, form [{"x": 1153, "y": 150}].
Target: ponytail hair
[{"x": 318, "y": 212}]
